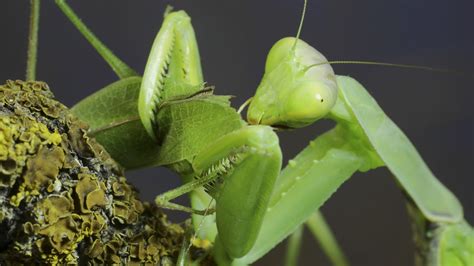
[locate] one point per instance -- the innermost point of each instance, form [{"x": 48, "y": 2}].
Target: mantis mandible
[{"x": 148, "y": 128}]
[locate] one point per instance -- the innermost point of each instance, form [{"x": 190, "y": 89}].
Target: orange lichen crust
[{"x": 62, "y": 199}]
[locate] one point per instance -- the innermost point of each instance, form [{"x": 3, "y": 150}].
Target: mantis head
[{"x": 297, "y": 89}]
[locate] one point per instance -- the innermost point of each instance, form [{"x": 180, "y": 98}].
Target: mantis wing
[
  {"x": 434, "y": 200},
  {"x": 112, "y": 116},
  {"x": 187, "y": 125}
]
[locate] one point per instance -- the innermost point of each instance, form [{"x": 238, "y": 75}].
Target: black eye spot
[{"x": 322, "y": 100}]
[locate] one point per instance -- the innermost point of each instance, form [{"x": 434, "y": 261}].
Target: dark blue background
[{"x": 435, "y": 110}]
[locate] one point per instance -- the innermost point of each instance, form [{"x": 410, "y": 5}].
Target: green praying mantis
[{"x": 170, "y": 118}]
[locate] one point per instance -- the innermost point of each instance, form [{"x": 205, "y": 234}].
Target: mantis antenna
[
  {"x": 360, "y": 62},
  {"x": 407, "y": 66},
  {"x": 300, "y": 27},
  {"x": 293, "y": 49}
]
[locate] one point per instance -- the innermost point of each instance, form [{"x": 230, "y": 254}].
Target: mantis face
[{"x": 297, "y": 88}]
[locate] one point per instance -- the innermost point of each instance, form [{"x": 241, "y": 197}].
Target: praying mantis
[{"x": 203, "y": 94}]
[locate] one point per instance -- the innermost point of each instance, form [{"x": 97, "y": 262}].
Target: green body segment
[
  {"x": 319, "y": 170},
  {"x": 173, "y": 64},
  {"x": 441, "y": 244},
  {"x": 321, "y": 230},
  {"x": 292, "y": 93},
  {"x": 293, "y": 247},
  {"x": 118, "y": 66},
  {"x": 243, "y": 196},
  {"x": 455, "y": 245},
  {"x": 435, "y": 201}
]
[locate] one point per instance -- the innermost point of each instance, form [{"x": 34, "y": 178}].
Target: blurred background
[{"x": 435, "y": 110}]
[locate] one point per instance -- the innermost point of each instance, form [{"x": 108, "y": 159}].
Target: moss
[{"x": 62, "y": 198}]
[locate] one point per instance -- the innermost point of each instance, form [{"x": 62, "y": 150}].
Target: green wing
[
  {"x": 187, "y": 126},
  {"x": 112, "y": 115}
]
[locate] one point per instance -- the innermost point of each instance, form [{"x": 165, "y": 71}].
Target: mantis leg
[
  {"x": 113, "y": 113},
  {"x": 239, "y": 171},
  {"x": 293, "y": 247},
  {"x": 118, "y": 66},
  {"x": 433, "y": 199},
  {"x": 323, "y": 234},
  {"x": 248, "y": 161},
  {"x": 173, "y": 68},
  {"x": 163, "y": 200}
]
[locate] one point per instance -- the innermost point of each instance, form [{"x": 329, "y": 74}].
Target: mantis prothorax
[{"x": 169, "y": 118}]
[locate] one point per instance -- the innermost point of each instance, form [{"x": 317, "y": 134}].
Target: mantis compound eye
[
  {"x": 298, "y": 87},
  {"x": 308, "y": 102}
]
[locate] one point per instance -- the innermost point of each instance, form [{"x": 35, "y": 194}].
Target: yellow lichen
[
  {"x": 55, "y": 207},
  {"x": 43, "y": 169},
  {"x": 62, "y": 235},
  {"x": 89, "y": 193},
  {"x": 95, "y": 249},
  {"x": 66, "y": 199},
  {"x": 93, "y": 223}
]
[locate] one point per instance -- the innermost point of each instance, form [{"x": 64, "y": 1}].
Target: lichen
[{"x": 62, "y": 198}]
